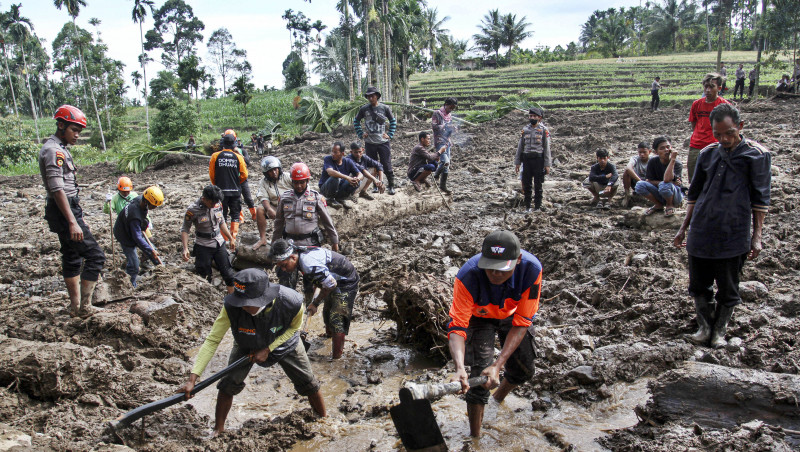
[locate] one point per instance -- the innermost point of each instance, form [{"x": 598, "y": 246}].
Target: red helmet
[
  {"x": 300, "y": 171},
  {"x": 71, "y": 114}
]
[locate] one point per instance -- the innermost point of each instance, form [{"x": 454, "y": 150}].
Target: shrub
[
  {"x": 13, "y": 148},
  {"x": 174, "y": 121}
]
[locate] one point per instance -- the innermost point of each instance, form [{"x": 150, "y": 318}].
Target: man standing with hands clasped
[
  {"x": 730, "y": 189},
  {"x": 533, "y": 153},
  {"x": 496, "y": 293}
]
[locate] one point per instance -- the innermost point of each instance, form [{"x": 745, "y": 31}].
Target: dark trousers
[
  {"x": 532, "y": 171},
  {"x": 381, "y": 152},
  {"x": 703, "y": 272},
  {"x": 739, "y": 87},
  {"x": 248, "y": 198},
  {"x": 480, "y": 354},
  {"x": 335, "y": 188},
  {"x": 203, "y": 255},
  {"x": 655, "y": 99},
  {"x": 752, "y": 86},
  {"x": 232, "y": 204},
  {"x": 86, "y": 253}
]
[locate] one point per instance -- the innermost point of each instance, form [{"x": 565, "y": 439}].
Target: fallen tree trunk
[{"x": 723, "y": 397}]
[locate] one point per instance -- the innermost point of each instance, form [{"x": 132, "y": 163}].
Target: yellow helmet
[{"x": 154, "y": 195}]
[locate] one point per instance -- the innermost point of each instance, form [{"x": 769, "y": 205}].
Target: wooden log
[{"x": 723, "y": 397}]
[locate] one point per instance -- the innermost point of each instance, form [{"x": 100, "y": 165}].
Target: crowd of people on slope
[{"x": 496, "y": 292}]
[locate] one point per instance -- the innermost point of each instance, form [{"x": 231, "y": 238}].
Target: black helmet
[{"x": 372, "y": 90}]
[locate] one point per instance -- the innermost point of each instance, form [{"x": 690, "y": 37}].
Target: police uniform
[
  {"x": 58, "y": 174},
  {"x": 298, "y": 218},
  {"x": 208, "y": 242},
  {"x": 533, "y": 153}
]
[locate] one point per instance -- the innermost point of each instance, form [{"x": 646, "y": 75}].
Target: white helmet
[{"x": 269, "y": 163}]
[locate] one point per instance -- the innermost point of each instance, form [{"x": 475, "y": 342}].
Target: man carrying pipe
[
  {"x": 265, "y": 320},
  {"x": 496, "y": 293}
]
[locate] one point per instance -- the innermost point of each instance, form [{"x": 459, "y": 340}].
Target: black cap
[
  {"x": 251, "y": 287},
  {"x": 372, "y": 90},
  {"x": 500, "y": 251},
  {"x": 536, "y": 111}
]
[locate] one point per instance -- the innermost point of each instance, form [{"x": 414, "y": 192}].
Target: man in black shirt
[
  {"x": 729, "y": 190},
  {"x": 603, "y": 181}
]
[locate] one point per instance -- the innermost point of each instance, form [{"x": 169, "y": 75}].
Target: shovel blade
[{"x": 417, "y": 427}]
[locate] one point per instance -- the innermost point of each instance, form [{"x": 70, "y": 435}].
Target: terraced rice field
[{"x": 581, "y": 85}]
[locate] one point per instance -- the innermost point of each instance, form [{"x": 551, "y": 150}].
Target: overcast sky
[{"x": 257, "y": 27}]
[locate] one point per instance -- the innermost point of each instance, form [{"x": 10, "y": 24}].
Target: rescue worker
[
  {"x": 124, "y": 195},
  {"x": 64, "y": 214},
  {"x": 265, "y": 320},
  {"x": 209, "y": 236},
  {"x": 496, "y": 293},
  {"x": 300, "y": 213},
  {"x": 129, "y": 229},
  {"x": 442, "y": 125},
  {"x": 228, "y": 171},
  {"x": 248, "y": 198},
  {"x": 376, "y": 138},
  {"x": 336, "y": 278},
  {"x": 533, "y": 153},
  {"x": 275, "y": 182}
]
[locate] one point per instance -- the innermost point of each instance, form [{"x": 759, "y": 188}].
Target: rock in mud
[
  {"x": 13, "y": 440},
  {"x": 583, "y": 375},
  {"x": 453, "y": 251},
  {"x": 752, "y": 290},
  {"x": 162, "y": 312}
]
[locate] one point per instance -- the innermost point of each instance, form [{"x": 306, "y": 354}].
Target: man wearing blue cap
[
  {"x": 265, "y": 320},
  {"x": 496, "y": 293}
]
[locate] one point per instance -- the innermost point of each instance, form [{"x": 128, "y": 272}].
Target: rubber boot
[
  {"x": 475, "y": 416},
  {"x": 87, "y": 290},
  {"x": 338, "y": 345},
  {"x": 318, "y": 404},
  {"x": 390, "y": 178},
  {"x": 74, "y": 291},
  {"x": 443, "y": 184},
  {"x": 703, "y": 321},
  {"x": 724, "y": 314}
]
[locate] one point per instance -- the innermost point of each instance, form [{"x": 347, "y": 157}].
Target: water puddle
[{"x": 356, "y": 420}]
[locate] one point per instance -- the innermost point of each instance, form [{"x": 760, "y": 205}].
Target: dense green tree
[
  {"x": 242, "y": 91},
  {"x": 166, "y": 85},
  {"x": 19, "y": 29},
  {"x": 175, "y": 31},
  {"x": 174, "y": 121},
  {"x": 224, "y": 54},
  {"x": 294, "y": 71},
  {"x": 669, "y": 20},
  {"x": 191, "y": 73}
]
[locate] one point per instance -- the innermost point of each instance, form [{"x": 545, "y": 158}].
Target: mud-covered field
[{"x": 613, "y": 313}]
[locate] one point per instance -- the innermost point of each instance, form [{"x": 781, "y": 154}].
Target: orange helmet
[
  {"x": 300, "y": 171},
  {"x": 124, "y": 184},
  {"x": 71, "y": 114},
  {"x": 230, "y": 131}
]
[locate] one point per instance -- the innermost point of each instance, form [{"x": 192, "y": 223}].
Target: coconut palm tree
[
  {"x": 20, "y": 28},
  {"x": 671, "y": 18},
  {"x": 488, "y": 39},
  {"x": 5, "y": 61},
  {"x": 512, "y": 31},
  {"x": 433, "y": 30},
  {"x": 347, "y": 29},
  {"x": 73, "y": 9},
  {"x": 138, "y": 14}
]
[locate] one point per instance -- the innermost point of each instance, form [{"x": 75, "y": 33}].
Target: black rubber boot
[
  {"x": 390, "y": 178},
  {"x": 724, "y": 314},
  {"x": 703, "y": 334},
  {"x": 443, "y": 184}
]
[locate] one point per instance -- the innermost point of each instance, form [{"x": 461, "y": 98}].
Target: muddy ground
[{"x": 613, "y": 312}]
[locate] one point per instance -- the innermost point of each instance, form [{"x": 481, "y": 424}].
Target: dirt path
[{"x": 613, "y": 312}]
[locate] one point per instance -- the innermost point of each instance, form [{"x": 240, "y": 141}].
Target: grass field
[{"x": 583, "y": 85}]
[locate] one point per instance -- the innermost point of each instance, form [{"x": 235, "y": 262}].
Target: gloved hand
[
  {"x": 253, "y": 213},
  {"x": 108, "y": 197}
]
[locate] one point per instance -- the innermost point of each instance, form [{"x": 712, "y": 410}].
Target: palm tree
[
  {"x": 512, "y": 32},
  {"x": 136, "y": 78},
  {"x": 343, "y": 7},
  {"x": 138, "y": 14},
  {"x": 20, "y": 28},
  {"x": 433, "y": 30},
  {"x": 5, "y": 61},
  {"x": 365, "y": 19},
  {"x": 671, "y": 18},
  {"x": 406, "y": 21},
  {"x": 488, "y": 39},
  {"x": 73, "y": 9},
  {"x": 613, "y": 32}
]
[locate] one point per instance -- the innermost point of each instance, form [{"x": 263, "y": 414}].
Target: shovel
[
  {"x": 144, "y": 410},
  {"x": 414, "y": 418},
  {"x": 303, "y": 332}
]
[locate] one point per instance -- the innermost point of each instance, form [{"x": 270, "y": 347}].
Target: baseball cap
[
  {"x": 536, "y": 111},
  {"x": 500, "y": 251},
  {"x": 251, "y": 287}
]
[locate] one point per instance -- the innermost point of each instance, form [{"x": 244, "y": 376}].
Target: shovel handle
[{"x": 434, "y": 391}]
